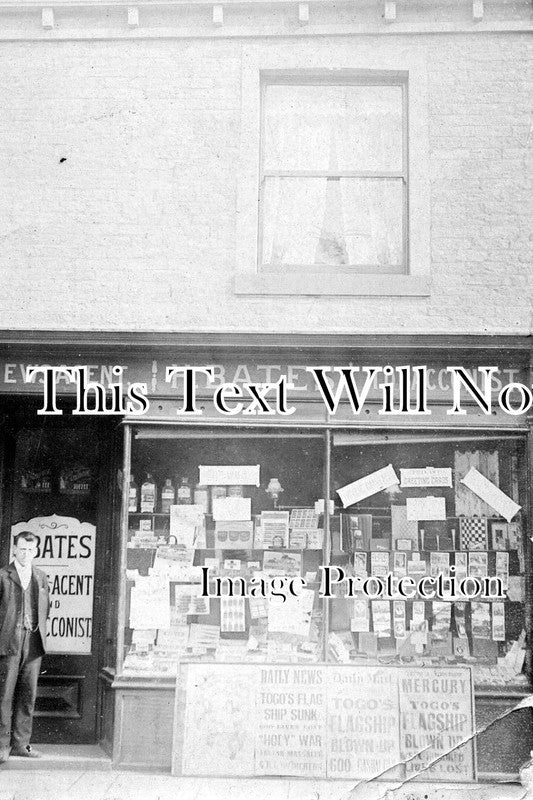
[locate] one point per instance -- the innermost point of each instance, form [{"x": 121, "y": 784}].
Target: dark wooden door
[{"x": 55, "y": 474}]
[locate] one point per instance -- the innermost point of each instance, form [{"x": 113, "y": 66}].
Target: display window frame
[{"x": 329, "y": 433}]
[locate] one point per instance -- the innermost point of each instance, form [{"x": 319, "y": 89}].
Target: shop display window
[
  {"x": 177, "y": 525},
  {"x": 183, "y": 530},
  {"x": 469, "y": 538}
]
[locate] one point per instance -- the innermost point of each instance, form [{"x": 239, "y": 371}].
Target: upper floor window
[{"x": 334, "y": 176}]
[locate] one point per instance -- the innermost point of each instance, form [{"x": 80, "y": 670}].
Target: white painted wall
[{"x": 136, "y": 229}]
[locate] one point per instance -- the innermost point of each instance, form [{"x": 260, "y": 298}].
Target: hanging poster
[
  {"x": 291, "y": 615},
  {"x": 66, "y": 553},
  {"x": 365, "y": 487},
  {"x": 491, "y": 494},
  {"x": 150, "y": 602},
  {"x": 426, "y": 508},
  {"x": 185, "y": 522}
]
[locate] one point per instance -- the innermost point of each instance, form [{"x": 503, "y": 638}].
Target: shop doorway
[{"x": 57, "y": 482}]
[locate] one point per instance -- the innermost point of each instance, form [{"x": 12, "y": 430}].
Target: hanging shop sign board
[
  {"x": 66, "y": 553},
  {"x": 164, "y": 377},
  {"x": 325, "y": 721}
]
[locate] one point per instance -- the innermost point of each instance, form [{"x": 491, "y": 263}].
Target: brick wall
[{"x": 135, "y": 228}]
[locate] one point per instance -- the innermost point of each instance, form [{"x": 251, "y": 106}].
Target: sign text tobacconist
[{"x": 269, "y": 390}]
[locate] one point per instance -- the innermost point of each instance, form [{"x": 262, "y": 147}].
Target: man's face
[{"x": 25, "y": 552}]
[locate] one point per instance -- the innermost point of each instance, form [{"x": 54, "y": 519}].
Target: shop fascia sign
[{"x": 261, "y": 390}]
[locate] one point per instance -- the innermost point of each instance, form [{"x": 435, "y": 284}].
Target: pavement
[
  {"x": 87, "y": 774},
  {"x": 41, "y": 785}
]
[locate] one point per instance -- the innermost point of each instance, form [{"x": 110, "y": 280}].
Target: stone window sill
[{"x": 339, "y": 285}]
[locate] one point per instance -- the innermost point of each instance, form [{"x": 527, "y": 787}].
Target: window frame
[
  {"x": 371, "y": 60},
  {"x": 313, "y": 78}
]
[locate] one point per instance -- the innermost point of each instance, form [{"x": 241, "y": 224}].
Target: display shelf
[
  {"x": 165, "y": 514},
  {"x": 221, "y": 628}
]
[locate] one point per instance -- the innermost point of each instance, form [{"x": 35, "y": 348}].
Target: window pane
[
  {"x": 333, "y": 128},
  {"x": 335, "y": 222}
]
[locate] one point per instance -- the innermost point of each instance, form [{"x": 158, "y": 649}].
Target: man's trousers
[{"x": 18, "y": 689}]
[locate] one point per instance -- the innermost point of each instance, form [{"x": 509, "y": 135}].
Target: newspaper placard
[
  {"x": 218, "y": 721},
  {"x": 363, "y": 722},
  {"x": 325, "y": 721},
  {"x": 290, "y": 711},
  {"x": 436, "y": 718}
]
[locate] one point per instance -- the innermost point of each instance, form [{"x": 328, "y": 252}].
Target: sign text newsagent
[{"x": 399, "y": 390}]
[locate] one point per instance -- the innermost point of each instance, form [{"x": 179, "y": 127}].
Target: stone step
[{"x": 83, "y": 758}]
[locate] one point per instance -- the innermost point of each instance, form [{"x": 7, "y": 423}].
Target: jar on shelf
[
  {"x": 201, "y": 497},
  {"x": 217, "y": 492},
  {"x": 133, "y": 496},
  {"x": 184, "y": 493},
  {"x": 148, "y": 495},
  {"x": 168, "y": 495}
]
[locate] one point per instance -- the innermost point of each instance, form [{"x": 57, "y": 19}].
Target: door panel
[{"x": 54, "y": 479}]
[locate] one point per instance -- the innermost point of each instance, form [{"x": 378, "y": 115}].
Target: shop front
[{"x": 187, "y": 506}]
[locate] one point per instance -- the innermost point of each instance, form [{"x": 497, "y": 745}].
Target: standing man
[{"x": 24, "y": 609}]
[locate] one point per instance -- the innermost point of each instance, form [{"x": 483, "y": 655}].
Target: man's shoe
[
  {"x": 4, "y": 755},
  {"x": 25, "y": 752}
]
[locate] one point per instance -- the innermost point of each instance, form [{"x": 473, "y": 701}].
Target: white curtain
[{"x": 335, "y": 128}]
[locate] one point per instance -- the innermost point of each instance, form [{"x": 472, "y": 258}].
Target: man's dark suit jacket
[{"x": 11, "y": 607}]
